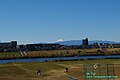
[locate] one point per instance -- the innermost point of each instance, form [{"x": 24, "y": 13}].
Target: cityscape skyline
[
  {"x": 67, "y": 42},
  {"x": 29, "y": 21},
  {"x": 13, "y": 46}
]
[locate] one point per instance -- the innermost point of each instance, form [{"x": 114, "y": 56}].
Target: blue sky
[{"x": 31, "y": 21}]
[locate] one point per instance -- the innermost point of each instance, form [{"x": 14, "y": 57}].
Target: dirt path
[
  {"x": 71, "y": 66},
  {"x": 59, "y": 74},
  {"x": 20, "y": 66},
  {"x": 55, "y": 75}
]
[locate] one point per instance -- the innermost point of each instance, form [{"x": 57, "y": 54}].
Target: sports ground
[{"x": 54, "y": 70}]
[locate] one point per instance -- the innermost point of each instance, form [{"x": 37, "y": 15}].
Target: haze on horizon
[{"x": 30, "y": 21}]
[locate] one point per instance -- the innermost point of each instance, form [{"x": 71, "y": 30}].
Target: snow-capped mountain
[
  {"x": 71, "y": 42},
  {"x": 79, "y": 42},
  {"x": 59, "y": 40}
]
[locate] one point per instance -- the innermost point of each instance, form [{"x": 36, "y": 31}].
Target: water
[{"x": 56, "y": 58}]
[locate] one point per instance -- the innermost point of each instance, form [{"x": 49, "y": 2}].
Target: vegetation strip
[{"x": 60, "y": 53}]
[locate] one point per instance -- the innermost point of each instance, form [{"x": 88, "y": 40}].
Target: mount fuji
[{"x": 79, "y": 42}]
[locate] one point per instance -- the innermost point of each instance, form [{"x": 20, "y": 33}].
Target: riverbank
[
  {"x": 57, "y": 59},
  {"x": 59, "y": 53},
  {"x": 49, "y": 70}
]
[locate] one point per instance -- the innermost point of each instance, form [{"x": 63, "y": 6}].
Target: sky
[{"x": 33, "y": 21}]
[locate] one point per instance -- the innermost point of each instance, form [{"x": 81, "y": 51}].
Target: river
[{"x": 57, "y": 58}]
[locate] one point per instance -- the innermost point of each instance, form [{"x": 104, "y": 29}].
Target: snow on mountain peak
[{"x": 59, "y": 40}]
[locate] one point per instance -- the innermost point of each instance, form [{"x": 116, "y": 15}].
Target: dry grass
[
  {"x": 59, "y": 53},
  {"x": 50, "y": 70}
]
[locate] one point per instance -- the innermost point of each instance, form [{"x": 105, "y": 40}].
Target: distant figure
[
  {"x": 38, "y": 72},
  {"x": 66, "y": 69}
]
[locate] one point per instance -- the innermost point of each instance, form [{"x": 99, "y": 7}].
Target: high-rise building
[{"x": 85, "y": 42}]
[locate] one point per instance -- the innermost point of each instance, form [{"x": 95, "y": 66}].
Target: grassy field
[
  {"x": 50, "y": 70},
  {"x": 60, "y": 53}
]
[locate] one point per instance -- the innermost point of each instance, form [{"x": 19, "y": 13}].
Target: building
[
  {"x": 85, "y": 42},
  {"x": 34, "y": 47},
  {"x": 8, "y": 46},
  {"x": 96, "y": 45}
]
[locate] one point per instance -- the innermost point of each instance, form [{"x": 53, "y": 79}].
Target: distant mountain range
[{"x": 79, "y": 42}]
